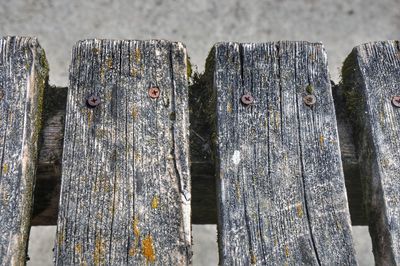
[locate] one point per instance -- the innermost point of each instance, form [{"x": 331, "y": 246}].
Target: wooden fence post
[
  {"x": 371, "y": 83},
  {"x": 125, "y": 192},
  {"x": 23, "y": 77},
  {"x": 280, "y": 184}
]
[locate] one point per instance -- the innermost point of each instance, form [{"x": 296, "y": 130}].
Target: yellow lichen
[
  {"x": 5, "y": 168},
  {"x": 137, "y": 55},
  {"x": 286, "y": 251},
  {"x": 133, "y": 72},
  {"x": 137, "y": 156},
  {"x": 237, "y": 186},
  {"x": 229, "y": 108},
  {"x": 135, "y": 112},
  {"x": 299, "y": 210},
  {"x": 253, "y": 259},
  {"x": 102, "y": 74},
  {"x": 132, "y": 251},
  {"x": 98, "y": 255},
  {"x": 154, "y": 202},
  {"x": 109, "y": 62},
  {"x": 136, "y": 231},
  {"x": 60, "y": 238},
  {"x": 78, "y": 248},
  {"x": 321, "y": 141},
  {"x": 95, "y": 51},
  {"x": 148, "y": 249}
]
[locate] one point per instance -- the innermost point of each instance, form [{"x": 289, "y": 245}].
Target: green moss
[
  {"x": 202, "y": 101},
  {"x": 172, "y": 116},
  {"x": 188, "y": 67},
  {"x": 310, "y": 89},
  {"x": 348, "y": 85}
]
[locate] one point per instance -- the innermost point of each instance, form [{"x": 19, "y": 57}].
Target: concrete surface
[{"x": 340, "y": 25}]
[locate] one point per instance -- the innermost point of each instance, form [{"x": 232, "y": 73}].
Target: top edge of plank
[
  {"x": 269, "y": 43},
  {"x": 376, "y": 43},
  {"x": 22, "y": 40},
  {"x": 119, "y": 41}
]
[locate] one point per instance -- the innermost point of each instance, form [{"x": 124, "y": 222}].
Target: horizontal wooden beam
[{"x": 202, "y": 166}]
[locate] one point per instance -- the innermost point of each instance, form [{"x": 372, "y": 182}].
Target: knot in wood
[
  {"x": 154, "y": 92},
  {"x": 309, "y": 100},
  {"x": 396, "y": 101},
  {"x": 92, "y": 101},
  {"x": 247, "y": 99}
]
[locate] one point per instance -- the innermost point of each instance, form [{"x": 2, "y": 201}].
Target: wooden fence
[{"x": 138, "y": 148}]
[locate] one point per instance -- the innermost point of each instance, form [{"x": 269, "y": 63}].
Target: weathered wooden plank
[
  {"x": 371, "y": 78},
  {"x": 281, "y": 194},
  {"x": 23, "y": 75},
  {"x": 125, "y": 192}
]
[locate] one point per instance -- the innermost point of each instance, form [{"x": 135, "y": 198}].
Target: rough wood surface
[
  {"x": 125, "y": 192},
  {"x": 371, "y": 77},
  {"x": 23, "y": 75},
  {"x": 281, "y": 194}
]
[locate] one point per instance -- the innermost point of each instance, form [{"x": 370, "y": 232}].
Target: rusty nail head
[
  {"x": 92, "y": 101},
  {"x": 247, "y": 99},
  {"x": 154, "y": 92},
  {"x": 396, "y": 101},
  {"x": 309, "y": 100}
]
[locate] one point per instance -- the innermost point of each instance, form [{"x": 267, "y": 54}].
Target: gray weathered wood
[
  {"x": 125, "y": 192},
  {"x": 281, "y": 194},
  {"x": 23, "y": 75},
  {"x": 371, "y": 77}
]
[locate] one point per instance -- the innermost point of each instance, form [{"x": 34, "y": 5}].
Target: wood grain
[
  {"x": 280, "y": 184},
  {"x": 125, "y": 192},
  {"x": 371, "y": 77},
  {"x": 23, "y": 75}
]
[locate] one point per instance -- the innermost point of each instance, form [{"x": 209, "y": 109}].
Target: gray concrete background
[{"x": 340, "y": 25}]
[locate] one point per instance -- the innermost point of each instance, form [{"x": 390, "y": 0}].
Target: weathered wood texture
[
  {"x": 125, "y": 192},
  {"x": 371, "y": 77},
  {"x": 281, "y": 193},
  {"x": 23, "y": 75}
]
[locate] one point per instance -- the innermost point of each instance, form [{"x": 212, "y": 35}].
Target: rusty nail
[
  {"x": 396, "y": 101},
  {"x": 309, "y": 100},
  {"x": 92, "y": 101},
  {"x": 154, "y": 92},
  {"x": 247, "y": 99}
]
